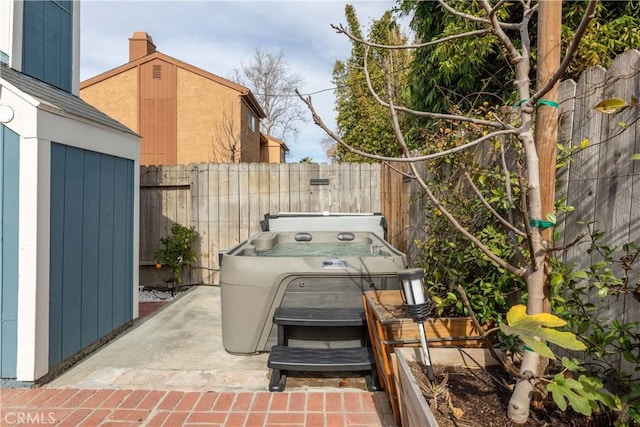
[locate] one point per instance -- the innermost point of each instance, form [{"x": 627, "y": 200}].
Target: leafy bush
[
  {"x": 176, "y": 251},
  {"x": 584, "y": 296},
  {"x": 447, "y": 257}
]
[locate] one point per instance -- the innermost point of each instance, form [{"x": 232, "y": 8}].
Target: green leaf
[
  {"x": 551, "y": 217},
  {"x": 557, "y": 395},
  {"x": 556, "y": 280},
  {"x": 635, "y": 157},
  {"x": 611, "y": 106},
  {"x": 572, "y": 364},
  {"x": 580, "y": 274},
  {"x": 567, "y": 389},
  {"x": 584, "y": 143}
]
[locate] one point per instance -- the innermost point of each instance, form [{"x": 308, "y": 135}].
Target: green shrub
[{"x": 176, "y": 250}]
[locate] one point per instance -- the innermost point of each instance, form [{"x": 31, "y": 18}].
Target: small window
[
  {"x": 253, "y": 122},
  {"x": 157, "y": 71}
]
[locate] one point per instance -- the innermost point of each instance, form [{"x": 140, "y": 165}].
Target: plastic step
[
  {"x": 321, "y": 359},
  {"x": 314, "y": 316}
]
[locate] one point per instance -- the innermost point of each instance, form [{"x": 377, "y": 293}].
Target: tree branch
[
  {"x": 505, "y": 25},
  {"x": 408, "y": 175},
  {"x": 490, "y": 208},
  {"x": 473, "y": 239},
  {"x": 341, "y": 30},
  {"x": 319, "y": 122},
  {"x": 485, "y": 338},
  {"x": 507, "y": 184},
  {"x": 525, "y": 216},
  {"x": 568, "y": 245},
  {"x": 499, "y": 32},
  {"x": 452, "y": 117}
]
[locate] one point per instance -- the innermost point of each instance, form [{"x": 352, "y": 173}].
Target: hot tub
[{"x": 302, "y": 260}]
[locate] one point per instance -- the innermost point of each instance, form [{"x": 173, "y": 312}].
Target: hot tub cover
[{"x": 325, "y": 221}]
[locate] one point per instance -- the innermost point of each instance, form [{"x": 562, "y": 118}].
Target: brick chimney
[{"x": 140, "y": 44}]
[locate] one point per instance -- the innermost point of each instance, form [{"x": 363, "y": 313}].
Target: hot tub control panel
[{"x": 334, "y": 263}]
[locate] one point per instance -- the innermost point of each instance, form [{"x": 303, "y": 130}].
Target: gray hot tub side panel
[
  {"x": 247, "y": 311},
  {"x": 248, "y": 304},
  {"x": 253, "y": 286}
]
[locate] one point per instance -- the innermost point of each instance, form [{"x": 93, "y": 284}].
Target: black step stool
[{"x": 284, "y": 358}]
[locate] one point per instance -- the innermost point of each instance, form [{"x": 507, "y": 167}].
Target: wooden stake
[{"x": 546, "y": 122}]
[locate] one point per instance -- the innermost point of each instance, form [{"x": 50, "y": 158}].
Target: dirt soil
[{"x": 484, "y": 402}]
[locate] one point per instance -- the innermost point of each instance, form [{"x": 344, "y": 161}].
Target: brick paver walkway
[
  {"x": 149, "y": 307},
  {"x": 123, "y": 408}
]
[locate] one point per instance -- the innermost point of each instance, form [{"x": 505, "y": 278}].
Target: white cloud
[{"x": 219, "y": 36}]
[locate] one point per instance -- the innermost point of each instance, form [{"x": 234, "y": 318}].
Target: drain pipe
[{"x": 417, "y": 306}]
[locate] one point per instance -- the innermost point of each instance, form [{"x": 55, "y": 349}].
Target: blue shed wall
[
  {"x": 47, "y": 48},
  {"x": 91, "y": 270},
  {"x": 9, "y": 199}
]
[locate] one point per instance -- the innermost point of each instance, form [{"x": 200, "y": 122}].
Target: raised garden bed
[
  {"x": 389, "y": 330},
  {"x": 474, "y": 392}
]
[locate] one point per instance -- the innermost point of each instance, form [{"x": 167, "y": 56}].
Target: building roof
[
  {"x": 243, "y": 90},
  {"x": 264, "y": 138},
  {"x": 58, "y": 99}
]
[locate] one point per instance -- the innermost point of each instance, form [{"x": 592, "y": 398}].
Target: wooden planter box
[
  {"x": 414, "y": 411},
  {"x": 387, "y": 333}
]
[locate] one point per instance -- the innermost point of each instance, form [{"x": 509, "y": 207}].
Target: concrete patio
[{"x": 171, "y": 369}]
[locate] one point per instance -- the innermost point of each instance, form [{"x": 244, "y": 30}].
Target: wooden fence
[{"x": 601, "y": 181}]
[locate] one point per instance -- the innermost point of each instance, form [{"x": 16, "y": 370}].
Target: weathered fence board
[
  {"x": 602, "y": 179},
  {"x": 583, "y": 167}
]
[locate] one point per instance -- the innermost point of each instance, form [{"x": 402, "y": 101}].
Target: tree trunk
[{"x": 520, "y": 401}]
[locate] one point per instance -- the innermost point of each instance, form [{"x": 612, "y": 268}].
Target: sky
[{"x": 220, "y": 36}]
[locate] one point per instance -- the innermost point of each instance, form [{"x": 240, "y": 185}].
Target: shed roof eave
[
  {"x": 69, "y": 116},
  {"x": 28, "y": 98}
]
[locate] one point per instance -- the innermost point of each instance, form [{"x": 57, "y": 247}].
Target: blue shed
[{"x": 68, "y": 203}]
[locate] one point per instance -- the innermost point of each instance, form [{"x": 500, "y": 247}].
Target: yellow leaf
[
  {"x": 611, "y": 106},
  {"x": 548, "y": 319},
  {"x": 516, "y": 314},
  {"x": 584, "y": 143},
  {"x": 457, "y": 412}
]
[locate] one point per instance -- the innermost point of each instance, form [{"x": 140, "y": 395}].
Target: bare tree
[
  {"x": 273, "y": 84},
  {"x": 226, "y": 140},
  {"x": 534, "y": 249}
]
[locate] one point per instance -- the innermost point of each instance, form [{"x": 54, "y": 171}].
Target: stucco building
[
  {"x": 183, "y": 113},
  {"x": 272, "y": 150}
]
